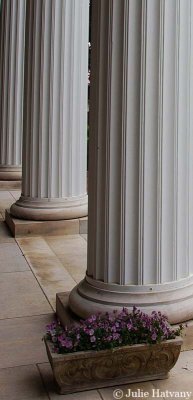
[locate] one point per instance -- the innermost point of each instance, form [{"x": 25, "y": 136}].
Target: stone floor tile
[
  {"x": 180, "y": 382},
  {"x": 76, "y": 271},
  {"x": 21, "y": 340},
  {"x": 20, "y": 295},
  {"x": 47, "y": 376},
  {"x": 11, "y": 258},
  {"x": 49, "y": 270},
  {"x": 187, "y": 336},
  {"x": 5, "y": 194},
  {"x": 16, "y": 194},
  {"x": 36, "y": 245},
  {"x": 184, "y": 363},
  {"x": 21, "y": 383},
  {"x": 61, "y": 244},
  {"x": 85, "y": 236},
  {"x": 72, "y": 252},
  {"x": 5, "y": 234},
  {"x": 50, "y": 290},
  {"x": 44, "y": 262},
  {"x": 6, "y": 204}
]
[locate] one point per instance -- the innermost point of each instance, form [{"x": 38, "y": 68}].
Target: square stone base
[
  {"x": 63, "y": 312},
  {"x": 20, "y": 227},
  {"x": 67, "y": 318},
  {"x": 10, "y": 185}
]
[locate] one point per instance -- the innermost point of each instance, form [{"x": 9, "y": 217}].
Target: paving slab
[
  {"x": 30, "y": 245},
  {"x": 85, "y": 236},
  {"x": 49, "y": 270},
  {"x": 16, "y": 194},
  {"x": 6, "y": 203},
  {"x": 72, "y": 252},
  {"x": 11, "y": 258},
  {"x": 21, "y": 340},
  {"x": 178, "y": 383},
  {"x": 5, "y": 194},
  {"x": 21, "y": 383},
  {"x": 184, "y": 364},
  {"x": 65, "y": 243},
  {"x": 47, "y": 376},
  {"x": 20, "y": 295}
]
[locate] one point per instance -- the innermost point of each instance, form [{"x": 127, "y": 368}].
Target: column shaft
[
  {"x": 55, "y": 109},
  {"x": 140, "y": 178},
  {"x": 12, "y": 27}
]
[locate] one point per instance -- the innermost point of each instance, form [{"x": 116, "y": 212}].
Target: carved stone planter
[{"x": 79, "y": 371}]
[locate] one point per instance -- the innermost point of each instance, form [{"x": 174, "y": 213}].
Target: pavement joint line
[
  {"x": 100, "y": 395},
  {"x": 27, "y": 316},
  {"x": 20, "y": 365},
  {"x": 13, "y": 272}
]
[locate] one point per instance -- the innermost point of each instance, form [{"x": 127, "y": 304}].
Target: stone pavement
[{"x": 32, "y": 271}]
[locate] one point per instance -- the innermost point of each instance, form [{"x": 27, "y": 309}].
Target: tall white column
[
  {"x": 12, "y": 27},
  {"x": 55, "y": 111},
  {"x": 140, "y": 241}
]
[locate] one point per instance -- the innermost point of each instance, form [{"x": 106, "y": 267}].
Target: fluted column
[
  {"x": 140, "y": 239},
  {"x": 12, "y": 26},
  {"x": 55, "y": 111}
]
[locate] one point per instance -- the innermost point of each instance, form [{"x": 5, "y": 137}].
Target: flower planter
[{"x": 85, "y": 370}]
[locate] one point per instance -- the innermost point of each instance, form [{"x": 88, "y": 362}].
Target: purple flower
[
  {"x": 129, "y": 325},
  {"x": 91, "y": 319},
  {"x": 118, "y": 328},
  {"x": 51, "y": 326},
  {"x": 154, "y": 336},
  {"x": 116, "y": 336}
]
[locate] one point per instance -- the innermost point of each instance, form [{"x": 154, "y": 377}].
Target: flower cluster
[{"x": 106, "y": 331}]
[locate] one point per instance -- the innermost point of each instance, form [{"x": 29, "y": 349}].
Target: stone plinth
[
  {"x": 10, "y": 185},
  {"x": 20, "y": 227}
]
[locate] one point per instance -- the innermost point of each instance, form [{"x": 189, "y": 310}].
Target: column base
[
  {"x": 10, "y": 173},
  {"x": 173, "y": 299},
  {"x": 20, "y": 227},
  {"x": 50, "y": 209},
  {"x": 68, "y": 318}
]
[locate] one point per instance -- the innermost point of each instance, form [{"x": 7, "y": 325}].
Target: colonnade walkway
[{"x": 32, "y": 271}]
